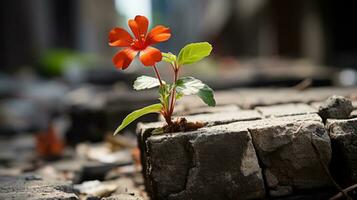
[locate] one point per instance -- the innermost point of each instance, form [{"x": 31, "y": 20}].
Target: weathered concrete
[
  {"x": 224, "y": 117},
  {"x": 336, "y": 107},
  {"x": 249, "y": 98},
  {"x": 31, "y": 187},
  {"x": 285, "y": 110},
  {"x": 354, "y": 104},
  {"x": 284, "y": 147},
  {"x": 217, "y": 118},
  {"x": 180, "y": 109},
  {"x": 123, "y": 197},
  {"x": 203, "y": 164},
  {"x": 282, "y": 136},
  {"x": 353, "y": 114},
  {"x": 343, "y": 134}
]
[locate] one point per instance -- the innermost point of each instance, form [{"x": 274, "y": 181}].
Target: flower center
[{"x": 139, "y": 43}]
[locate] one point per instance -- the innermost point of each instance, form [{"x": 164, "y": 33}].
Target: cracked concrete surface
[{"x": 268, "y": 154}]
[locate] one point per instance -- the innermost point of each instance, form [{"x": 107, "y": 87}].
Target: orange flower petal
[
  {"x": 150, "y": 56},
  {"x": 119, "y": 37},
  {"x": 123, "y": 59},
  {"x": 158, "y": 34},
  {"x": 139, "y": 26}
]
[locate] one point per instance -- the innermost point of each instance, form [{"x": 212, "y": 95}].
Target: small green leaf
[
  {"x": 155, "y": 108},
  {"x": 190, "y": 85},
  {"x": 146, "y": 82},
  {"x": 168, "y": 57},
  {"x": 194, "y": 52},
  {"x": 179, "y": 95}
]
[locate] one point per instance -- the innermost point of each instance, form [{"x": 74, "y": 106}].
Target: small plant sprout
[{"x": 169, "y": 93}]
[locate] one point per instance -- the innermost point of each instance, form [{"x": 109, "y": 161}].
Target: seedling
[{"x": 169, "y": 93}]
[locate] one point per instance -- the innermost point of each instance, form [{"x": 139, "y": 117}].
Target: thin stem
[
  {"x": 173, "y": 93},
  {"x": 157, "y": 75},
  {"x": 166, "y": 111}
]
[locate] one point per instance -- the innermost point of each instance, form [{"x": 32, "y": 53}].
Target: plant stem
[
  {"x": 157, "y": 75},
  {"x": 173, "y": 93},
  {"x": 166, "y": 111}
]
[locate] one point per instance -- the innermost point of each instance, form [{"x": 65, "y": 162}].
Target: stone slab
[
  {"x": 353, "y": 114},
  {"x": 212, "y": 119},
  {"x": 224, "y": 117},
  {"x": 286, "y": 153},
  {"x": 343, "y": 134},
  {"x": 182, "y": 110},
  {"x": 203, "y": 164},
  {"x": 248, "y": 98},
  {"x": 354, "y": 104},
  {"x": 285, "y": 110}
]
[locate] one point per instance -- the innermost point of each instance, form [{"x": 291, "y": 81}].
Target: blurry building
[{"x": 320, "y": 30}]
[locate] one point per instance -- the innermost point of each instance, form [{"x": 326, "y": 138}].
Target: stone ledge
[
  {"x": 218, "y": 118},
  {"x": 285, "y": 110},
  {"x": 251, "y": 98},
  {"x": 280, "y": 141},
  {"x": 343, "y": 134},
  {"x": 185, "y": 165},
  {"x": 182, "y": 110}
]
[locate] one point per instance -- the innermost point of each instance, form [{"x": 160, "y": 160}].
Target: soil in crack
[{"x": 181, "y": 125}]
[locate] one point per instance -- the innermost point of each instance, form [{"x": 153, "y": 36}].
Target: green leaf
[
  {"x": 190, "y": 85},
  {"x": 146, "y": 82},
  {"x": 155, "y": 108},
  {"x": 194, "y": 52},
  {"x": 168, "y": 57}
]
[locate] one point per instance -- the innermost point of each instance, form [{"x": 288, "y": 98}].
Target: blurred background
[{"x": 57, "y": 80}]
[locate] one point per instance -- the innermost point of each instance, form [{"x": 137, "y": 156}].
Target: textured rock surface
[
  {"x": 32, "y": 187},
  {"x": 353, "y": 114},
  {"x": 336, "y": 107},
  {"x": 225, "y": 117},
  {"x": 182, "y": 110},
  {"x": 285, "y": 110},
  {"x": 282, "y": 134},
  {"x": 343, "y": 134},
  {"x": 216, "y": 118},
  {"x": 354, "y": 104},
  {"x": 286, "y": 153},
  {"x": 203, "y": 165},
  {"x": 122, "y": 197}
]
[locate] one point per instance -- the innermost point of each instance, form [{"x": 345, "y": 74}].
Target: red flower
[{"x": 119, "y": 37}]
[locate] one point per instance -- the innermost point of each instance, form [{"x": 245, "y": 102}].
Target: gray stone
[
  {"x": 182, "y": 110},
  {"x": 343, "y": 134},
  {"x": 34, "y": 188},
  {"x": 354, "y": 104},
  {"x": 224, "y": 117},
  {"x": 212, "y": 119},
  {"x": 317, "y": 104},
  {"x": 285, "y": 110},
  {"x": 123, "y": 197},
  {"x": 203, "y": 164},
  {"x": 287, "y": 157},
  {"x": 281, "y": 191},
  {"x": 249, "y": 98},
  {"x": 353, "y": 114},
  {"x": 336, "y": 107}
]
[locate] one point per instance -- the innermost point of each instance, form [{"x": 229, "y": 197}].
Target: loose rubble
[{"x": 336, "y": 107}]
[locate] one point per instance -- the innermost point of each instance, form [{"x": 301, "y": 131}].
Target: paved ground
[{"x": 257, "y": 143}]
